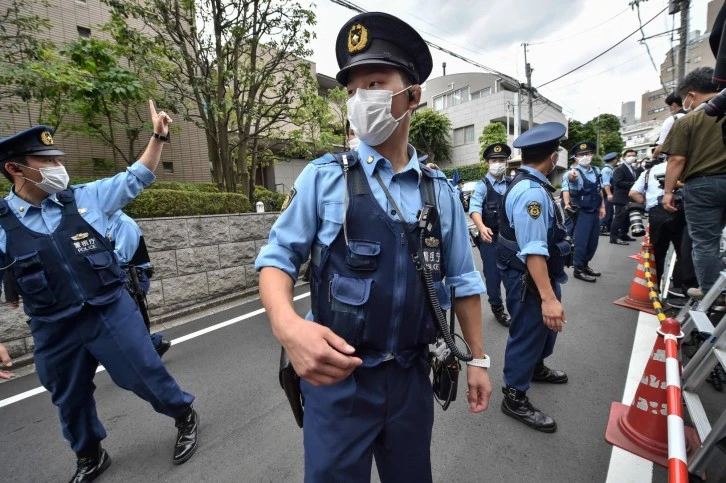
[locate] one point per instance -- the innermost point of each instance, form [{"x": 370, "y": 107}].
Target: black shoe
[
  {"x": 715, "y": 381},
  {"x": 163, "y": 347},
  {"x": 628, "y": 239},
  {"x": 516, "y": 405},
  {"x": 582, "y": 275},
  {"x": 88, "y": 469},
  {"x": 677, "y": 302},
  {"x": 552, "y": 376},
  {"x": 604, "y": 233},
  {"x": 590, "y": 271},
  {"x": 186, "y": 439},
  {"x": 502, "y": 317},
  {"x": 618, "y": 242}
]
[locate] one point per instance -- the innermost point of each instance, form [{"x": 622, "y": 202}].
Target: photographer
[
  {"x": 665, "y": 227},
  {"x": 697, "y": 157},
  {"x": 675, "y": 105}
]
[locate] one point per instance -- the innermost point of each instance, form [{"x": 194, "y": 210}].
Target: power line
[
  {"x": 642, "y": 33},
  {"x": 604, "y": 71},
  {"x": 602, "y": 53},
  {"x": 589, "y": 30}
]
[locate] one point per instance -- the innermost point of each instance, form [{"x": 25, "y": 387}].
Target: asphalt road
[{"x": 248, "y": 434}]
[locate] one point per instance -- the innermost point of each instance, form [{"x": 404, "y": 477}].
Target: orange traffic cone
[
  {"x": 639, "y": 296},
  {"x": 646, "y": 241},
  {"x": 642, "y": 428}
]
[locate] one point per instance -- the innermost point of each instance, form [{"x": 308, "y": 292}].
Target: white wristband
[{"x": 485, "y": 363}]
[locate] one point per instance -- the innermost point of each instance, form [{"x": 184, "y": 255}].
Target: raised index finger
[{"x": 152, "y": 109}]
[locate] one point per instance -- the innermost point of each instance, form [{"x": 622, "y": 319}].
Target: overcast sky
[{"x": 563, "y": 34}]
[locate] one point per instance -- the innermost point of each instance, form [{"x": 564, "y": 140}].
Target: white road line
[
  {"x": 626, "y": 467},
  {"x": 193, "y": 335}
]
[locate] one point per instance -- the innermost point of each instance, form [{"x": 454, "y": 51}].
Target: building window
[
  {"x": 656, "y": 97},
  {"x": 450, "y": 99},
  {"x": 167, "y": 167},
  {"x": 81, "y": 2},
  {"x": 657, "y": 110},
  {"x": 464, "y": 135},
  {"x": 84, "y": 32},
  {"x": 696, "y": 59},
  {"x": 481, "y": 93}
]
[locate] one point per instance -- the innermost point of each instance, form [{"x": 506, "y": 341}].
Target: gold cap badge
[
  {"x": 357, "y": 38},
  {"x": 46, "y": 138},
  {"x": 583, "y": 146},
  {"x": 497, "y": 149}
]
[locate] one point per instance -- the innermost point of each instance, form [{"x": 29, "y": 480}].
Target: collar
[
  {"x": 583, "y": 170},
  {"x": 494, "y": 181},
  {"x": 536, "y": 173},
  {"x": 366, "y": 153},
  {"x": 21, "y": 207}
]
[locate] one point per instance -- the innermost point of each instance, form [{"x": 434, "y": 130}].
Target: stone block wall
[{"x": 196, "y": 259}]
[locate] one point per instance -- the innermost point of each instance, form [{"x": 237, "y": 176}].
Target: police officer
[
  {"x": 484, "y": 208},
  {"x": 584, "y": 194},
  {"x": 607, "y": 175},
  {"x": 52, "y": 239},
  {"x": 365, "y": 379},
  {"x": 532, "y": 255},
  {"x": 130, "y": 249}
]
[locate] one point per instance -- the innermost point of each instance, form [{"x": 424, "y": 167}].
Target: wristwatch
[
  {"x": 485, "y": 362},
  {"x": 160, "y": 137}
]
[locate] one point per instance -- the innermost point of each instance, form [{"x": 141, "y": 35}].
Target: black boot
[
  {"x": 516, "y": 405},
  {"x": 580, "y": 273},
  {"x": 186, "y": 439},
  {"x": 502, "y": 317},
  {"x": 91, "y": 464},
  {"x": 591, "y": 271},
  {"x": 163, "y": 347},
  {"x": 543, "y": 373}
]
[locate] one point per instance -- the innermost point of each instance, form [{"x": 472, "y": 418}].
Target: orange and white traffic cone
[
  {"x": 642, "y": 428},
  {"x": 639, "y": 296}
]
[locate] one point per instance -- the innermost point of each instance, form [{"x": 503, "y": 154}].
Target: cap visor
[
  {"x": 342, "y": 76},
  {"x": 47, "y": 152}
]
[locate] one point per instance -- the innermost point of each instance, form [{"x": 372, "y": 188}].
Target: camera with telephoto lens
[
  {"x": 677, "y": 193},
  {"x": 635, "y": 213}
]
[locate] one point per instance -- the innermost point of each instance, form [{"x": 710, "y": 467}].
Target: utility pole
[
  {"x": 683, "y": 46},
  {"x": 597, "y": 143},
  {"x": 528, "y": 72}
]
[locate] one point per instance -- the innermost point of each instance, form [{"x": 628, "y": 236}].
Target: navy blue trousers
[
  {"x": 586, "y": 236},
  {"x": 67, "y": 354},
  {"x": 492, "y": 278},
  {"x": 608, "y": 220},
  {"x": 385, "y": 411},
  {"x": 145, "y": 284},
  {"x": 530, "y": 341}
]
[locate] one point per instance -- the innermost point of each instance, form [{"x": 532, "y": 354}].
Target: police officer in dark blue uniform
[
  {"x": 584, "y": 194},
  {"x": 52, "y": 240},
  {"x": 484, "y": 207},
  {"x": 533, "y": 248},
  {"x": 130, "y": 250},
  {"x": 607, "y": 177},
  {"x": 363, "y": 359}
]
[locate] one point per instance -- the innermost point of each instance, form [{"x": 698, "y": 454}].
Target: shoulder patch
[
  {"x": 534, "y": 209},
  {"x": 288, "y": 199}
]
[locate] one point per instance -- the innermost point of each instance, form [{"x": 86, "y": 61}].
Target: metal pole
[
  {"x": 683, "y": 46},
  {"x": 528, "y": 71}
]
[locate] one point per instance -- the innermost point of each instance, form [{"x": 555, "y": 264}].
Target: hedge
[
  {"x": 161, "y": 202},
  {"x": 158, "y": 185},
  {"x": 272, "y": 199},
  {"x": 471, "y": 172}
]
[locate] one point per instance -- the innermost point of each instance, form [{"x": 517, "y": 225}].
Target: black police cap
[
  {"x": 583, "y": 147},
  {"x": 37, "y": 141},
  {"x": 497, "y": 150},
  {"x": 376, "y": 38}
]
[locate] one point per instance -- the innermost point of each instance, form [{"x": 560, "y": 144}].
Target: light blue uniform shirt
[
  {"x": 531, "y": 232},
  {"x": 590, "y": 174},
  {"x": 476, "y": 203},
  {"x": 96, "y": 202},
  {"x": 607, "y": 175},
  {"x": 315, "y": 213},
  {"x": 654, "y": 190},
  {"x": 125, "y": 234}
]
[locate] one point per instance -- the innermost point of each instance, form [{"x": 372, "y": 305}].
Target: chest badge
[
  {"x": 79, "y": 237},
  {"x": 432, "y": 242},
  {"x": 82, "y": 211},
  {"x": 534, "y": 209},
  {"x": 370, "y": 159}
]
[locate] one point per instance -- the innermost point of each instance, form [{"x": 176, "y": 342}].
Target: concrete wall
[{"x": 197, "y": 259}]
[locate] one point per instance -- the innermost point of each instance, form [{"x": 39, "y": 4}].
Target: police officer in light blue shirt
[
  {"x": 52, "y": 240},
  {"x": 585, "y": 195},
  {"x": 484, "y": 207},
  {"x": 127, "y": 239},
  {"x": 361, "y": 351},
  {"x": 533, "y": 251},
  {"x": 606, "y": 173}
]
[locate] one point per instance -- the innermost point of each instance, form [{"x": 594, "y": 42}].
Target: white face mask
[
  {"x": 55, "y": 179},
  {"x": 497, "y": 169},
  {"x": 584, "y": 161},
  {"x": 369, "y": 113},
  {"x": 354, "y": 143},
  {"x": 631, "y": 159},
  {"x": 689, "y": 107}
]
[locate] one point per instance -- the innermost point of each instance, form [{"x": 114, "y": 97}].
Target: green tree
[
  {"x": 232, "y": 68},
  {"x": 318, "y": 124},
  {"x": 494, "y": 132},
  {"x": 608, "y": 125},
  {"x": 430, "y": 132}
]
